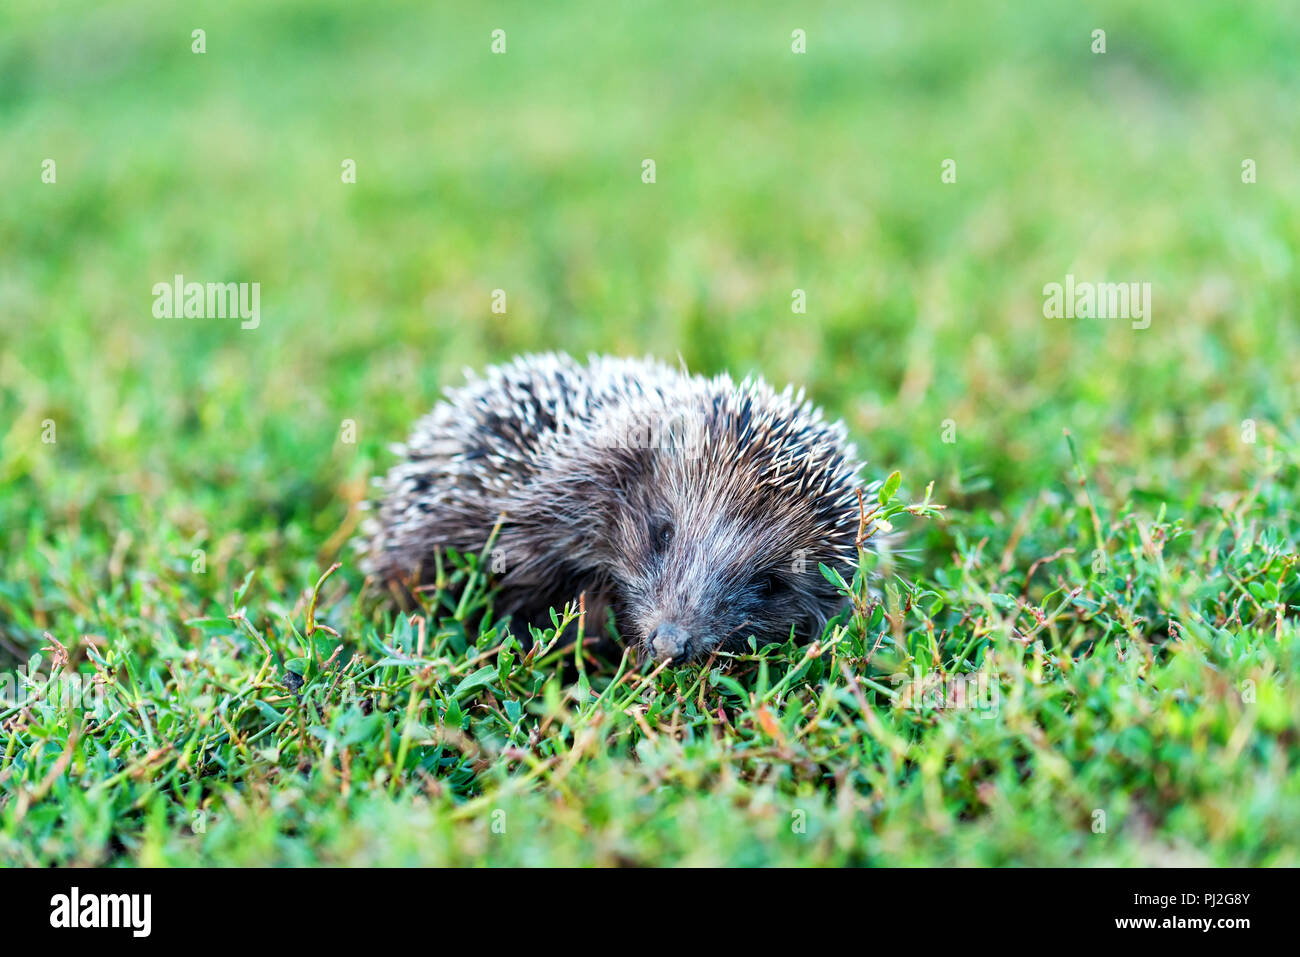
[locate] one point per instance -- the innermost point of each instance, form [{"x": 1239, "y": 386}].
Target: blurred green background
[{"x": 522, "y": 172}]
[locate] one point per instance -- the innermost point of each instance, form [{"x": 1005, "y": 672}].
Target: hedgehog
[{"x": 687, "y": 513}]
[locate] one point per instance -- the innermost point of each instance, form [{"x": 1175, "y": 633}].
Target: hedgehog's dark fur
[{"x": 695, "y": 510}]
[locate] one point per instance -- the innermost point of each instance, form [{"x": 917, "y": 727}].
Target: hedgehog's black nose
[{"x": 668, "y": 641}]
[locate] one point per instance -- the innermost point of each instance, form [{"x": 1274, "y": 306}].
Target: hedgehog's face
[{"x": 695, "y": 574}]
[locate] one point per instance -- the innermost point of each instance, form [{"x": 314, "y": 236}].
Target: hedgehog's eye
[{"x": 661, "y": 536}]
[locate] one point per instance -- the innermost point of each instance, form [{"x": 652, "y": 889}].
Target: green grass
[{"x": 1134, "y": 608}]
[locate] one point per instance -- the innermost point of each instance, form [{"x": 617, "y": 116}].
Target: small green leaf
[
  {"x": 833, "y": 576},
  {"x": 890, "y": 488},
  {"x": 275, "y": 717},
  {"x": 479, "y": 679}
]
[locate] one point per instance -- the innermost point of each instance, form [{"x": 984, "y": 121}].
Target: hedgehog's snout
[{"x": 668, "y": 641}]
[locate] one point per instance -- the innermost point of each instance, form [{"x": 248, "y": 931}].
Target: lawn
[{"x": 1087, "y": 656}]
